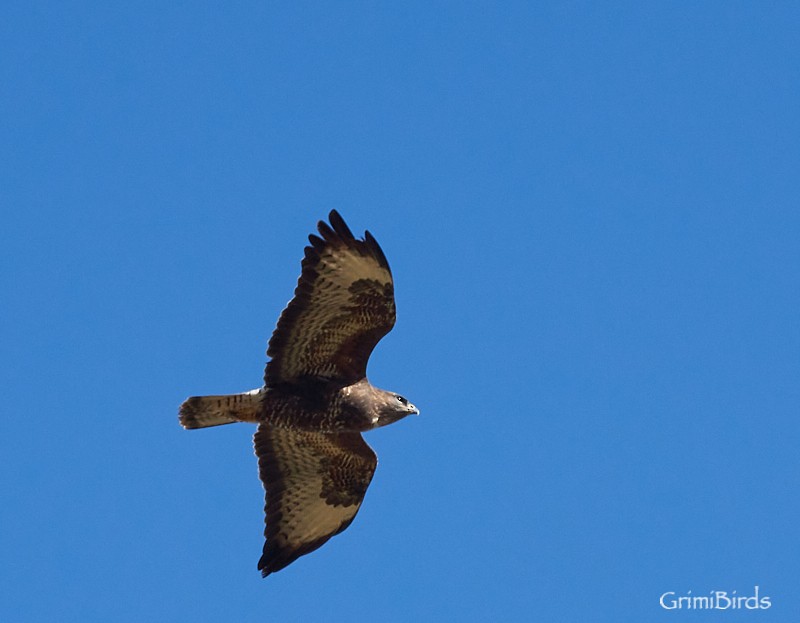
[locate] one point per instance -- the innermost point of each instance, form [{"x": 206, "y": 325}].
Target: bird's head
[{"x": 393, "y": 407}]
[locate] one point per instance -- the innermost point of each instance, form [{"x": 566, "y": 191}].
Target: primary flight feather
[{"x": 316, "y": 400}]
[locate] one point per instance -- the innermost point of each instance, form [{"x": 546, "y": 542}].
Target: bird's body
[
  {"x": 316, "y": 399},
  {"x": 313, "y": 407}
]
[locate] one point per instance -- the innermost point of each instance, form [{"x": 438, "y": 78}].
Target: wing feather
[
  {"x": 342, "y": 306},
  {"x": 314, "y": 485}
]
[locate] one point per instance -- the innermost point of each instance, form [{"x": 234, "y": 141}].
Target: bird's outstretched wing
[
  {"x": 314, "y": 484},
  {"x": 342, "y": 306}
]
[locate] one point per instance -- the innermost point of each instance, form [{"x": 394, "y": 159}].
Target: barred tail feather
[{"x": 205, "y": 411}]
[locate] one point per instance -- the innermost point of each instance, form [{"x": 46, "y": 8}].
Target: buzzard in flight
[{"x": 313, "y": 462}]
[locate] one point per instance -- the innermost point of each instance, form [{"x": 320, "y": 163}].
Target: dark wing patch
[
  {"x": 342, "y": 306},
  {"x": 314, "y": 484}
]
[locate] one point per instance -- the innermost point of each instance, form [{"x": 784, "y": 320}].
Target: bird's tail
[{"x": 204, "y": 411}]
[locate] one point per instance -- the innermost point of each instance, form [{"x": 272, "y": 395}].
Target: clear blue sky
[{"x": 592, "y": 216}]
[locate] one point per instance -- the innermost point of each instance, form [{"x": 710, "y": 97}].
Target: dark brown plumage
[
  {"x": 342, "y": 306},
  {"x": 316, "y": 400}
]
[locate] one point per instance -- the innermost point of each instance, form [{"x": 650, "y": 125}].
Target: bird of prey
[{"x": 316, "y": 400}]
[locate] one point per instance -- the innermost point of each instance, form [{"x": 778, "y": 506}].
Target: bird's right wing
[
  {"x": 342, "y": 306},
  {"x": 314, "y": 484}
]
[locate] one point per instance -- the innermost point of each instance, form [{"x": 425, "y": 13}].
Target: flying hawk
[{"x": 316, "y": 400}]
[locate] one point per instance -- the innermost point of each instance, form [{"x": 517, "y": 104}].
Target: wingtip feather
[
  {"x": 339, "y": 226},
  {"x": 376, "y": 250}
]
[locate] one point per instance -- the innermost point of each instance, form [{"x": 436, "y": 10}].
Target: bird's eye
[{"x": 401, "y": 400}]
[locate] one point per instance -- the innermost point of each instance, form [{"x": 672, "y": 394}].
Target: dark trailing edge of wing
[{"x": 274, "y": 557}]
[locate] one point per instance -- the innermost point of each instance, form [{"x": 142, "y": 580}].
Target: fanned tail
[{"x": 205, "y": 411}]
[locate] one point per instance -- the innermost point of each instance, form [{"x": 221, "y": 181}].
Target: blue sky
[{"x": 591, "y": 212}]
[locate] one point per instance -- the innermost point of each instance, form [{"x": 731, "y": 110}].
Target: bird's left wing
[{"x": 314, "y": 484}]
